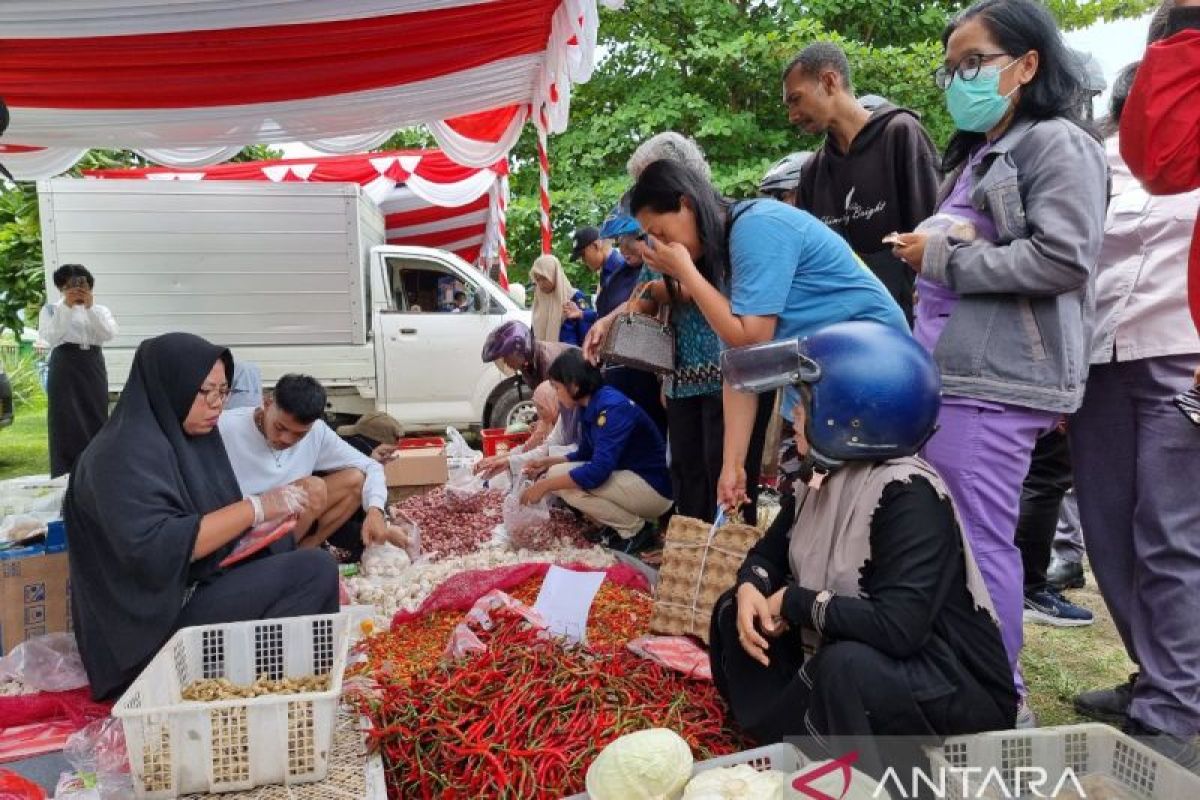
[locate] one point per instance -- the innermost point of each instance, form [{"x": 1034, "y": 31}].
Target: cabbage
[
  {"x": 736, "y": 783},
  {"x": 652, "y": 764},
  {"x": 517, "y": 427}
]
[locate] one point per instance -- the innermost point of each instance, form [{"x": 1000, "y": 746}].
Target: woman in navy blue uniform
[{"x": 618, "y": 474}]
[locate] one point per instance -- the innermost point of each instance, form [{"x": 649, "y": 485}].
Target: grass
[
  {"x": 1058, "y": 662},
  {"x": 23, "y": 447}
]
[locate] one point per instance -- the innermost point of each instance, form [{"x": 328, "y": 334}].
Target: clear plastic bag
[
  {"x": 501, "y": 482},
  {"x": 19, "y": 527},
  {"x": 98, "y": 755},
  {"x": 952, "y": 225},
  {"x": 522, "y": 522},
  {"x": 464, "y": 490},
  {"x": 459, "y": 455},
  {"x": 386, "y": 561},
  {"x": 412, "y": 533},
  {"x": 47, "y": 663}
]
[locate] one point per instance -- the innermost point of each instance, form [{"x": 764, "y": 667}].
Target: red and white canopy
[
  {"x": 426, "y": 198},
  {"x": 190, "y": 82}
]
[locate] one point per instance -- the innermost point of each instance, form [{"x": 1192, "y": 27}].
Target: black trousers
[
  {"x": 282, "y": 582},
  {"x": 697, "y": 437},
  {"x": 842, "y": 698},
  {"x": 77, "y": 395},
  {"x": 1042, "y": 494}
]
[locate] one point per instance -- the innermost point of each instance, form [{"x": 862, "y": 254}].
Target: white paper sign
[{"x": 565, "y": 601}]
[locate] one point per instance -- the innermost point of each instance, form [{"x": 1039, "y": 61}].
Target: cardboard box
[
  {"x": 417, "y": 467},
  {"x": 398, "y": 494},
  {"x": 34, "y": 595}
]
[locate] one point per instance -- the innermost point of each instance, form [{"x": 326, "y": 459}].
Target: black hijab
[{"x": 133, "y": 510}]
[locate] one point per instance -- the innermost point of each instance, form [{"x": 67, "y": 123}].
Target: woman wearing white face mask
[{"x": 1006, "y": 278}]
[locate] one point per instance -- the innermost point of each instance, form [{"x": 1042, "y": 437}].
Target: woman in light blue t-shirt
[{"x": 759, "y": 271}]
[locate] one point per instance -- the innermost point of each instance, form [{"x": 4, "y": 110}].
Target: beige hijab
[
  {"x": 830, "y": 541},
  {"x": 548, "y": 306},
  {"x": 544, "y": 396}
]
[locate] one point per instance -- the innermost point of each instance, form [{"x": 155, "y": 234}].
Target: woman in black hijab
[{"x": 153, "y": 507}]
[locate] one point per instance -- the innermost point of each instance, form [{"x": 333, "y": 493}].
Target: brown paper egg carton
[{"x": 695, "y": 572}]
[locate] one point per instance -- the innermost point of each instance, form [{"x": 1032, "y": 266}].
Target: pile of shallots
[{"x": 453, "y": 526}]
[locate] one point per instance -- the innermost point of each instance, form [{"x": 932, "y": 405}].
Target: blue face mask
[{"x": 977, "y": 105}]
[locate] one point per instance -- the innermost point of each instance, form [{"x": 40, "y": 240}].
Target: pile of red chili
[
  {"x": 526, "y": 718},
  {"x": 618, "y": 615}
]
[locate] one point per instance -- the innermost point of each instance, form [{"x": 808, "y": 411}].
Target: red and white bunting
[{"x": 188, "y": 84}]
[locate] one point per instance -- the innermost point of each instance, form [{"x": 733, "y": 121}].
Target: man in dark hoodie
[{"x": 877, "y": 171}]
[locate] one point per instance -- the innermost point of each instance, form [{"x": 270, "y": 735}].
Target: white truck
[{"x": 293, "y": 277}]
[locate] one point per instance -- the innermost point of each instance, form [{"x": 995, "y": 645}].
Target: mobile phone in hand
[{"x": 1188, "y": 404}]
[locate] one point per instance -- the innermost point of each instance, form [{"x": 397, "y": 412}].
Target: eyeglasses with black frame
[
  {"x": 215, "y": 395},
  {"x": 968, "y": 69}
]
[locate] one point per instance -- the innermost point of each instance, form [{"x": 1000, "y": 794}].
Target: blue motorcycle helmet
[
  {"x": 871, "y": 392},
  {"x": 619, "y": 221}
]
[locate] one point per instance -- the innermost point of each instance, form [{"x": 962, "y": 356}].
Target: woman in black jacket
[{"x": 862, "y": 614}]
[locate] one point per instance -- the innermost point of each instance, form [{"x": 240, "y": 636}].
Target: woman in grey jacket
[{"x": 1006, "y": 271}]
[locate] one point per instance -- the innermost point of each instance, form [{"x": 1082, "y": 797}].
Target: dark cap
[{"x": 583, "y": 238}]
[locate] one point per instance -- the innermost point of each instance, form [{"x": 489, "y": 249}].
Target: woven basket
[{"x": 695, "y": 572}]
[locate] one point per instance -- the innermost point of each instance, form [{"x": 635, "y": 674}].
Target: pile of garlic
[{"x": 390, "y": 589}]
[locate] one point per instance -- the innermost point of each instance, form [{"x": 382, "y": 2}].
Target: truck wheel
[{"x": 515, "y": 404}]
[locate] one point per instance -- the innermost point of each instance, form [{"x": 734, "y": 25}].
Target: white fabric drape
[
  {"x": 346, "y": 145},
  {"x": 451, "y": 195},
  {"x": 189, "y": 157},
  {"x": 41, "y": 164},
  {"x": 472, "y": 152}
]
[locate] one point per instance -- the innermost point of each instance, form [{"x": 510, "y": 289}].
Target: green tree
[
  {"x": 418, "y": 138},
  {"x": 22, "y": 282},
  {"x": 711, "y": 69}
]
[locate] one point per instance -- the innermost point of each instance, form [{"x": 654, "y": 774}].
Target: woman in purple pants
[{"x": 1006, "y": 272}]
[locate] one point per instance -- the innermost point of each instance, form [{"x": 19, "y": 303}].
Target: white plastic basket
[
  {"x": 180, "y": 747},
  {"x": 1088, "y": 750},
  {"x": 785, "y": 758}
]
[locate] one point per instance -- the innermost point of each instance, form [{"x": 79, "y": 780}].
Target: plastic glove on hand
[{"x": 285, "y": 501}]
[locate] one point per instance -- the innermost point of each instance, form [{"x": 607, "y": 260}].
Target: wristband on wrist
[{"x": 256, "y": 504}]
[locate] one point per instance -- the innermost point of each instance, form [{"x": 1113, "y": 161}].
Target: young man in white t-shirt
[{"x": 286, "y": 441}]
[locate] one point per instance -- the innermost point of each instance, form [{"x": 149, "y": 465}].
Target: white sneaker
[{"x": 1026, "y": 719}]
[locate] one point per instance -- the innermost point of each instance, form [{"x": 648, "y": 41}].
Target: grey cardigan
[{"x": 1021, "y": 331}]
